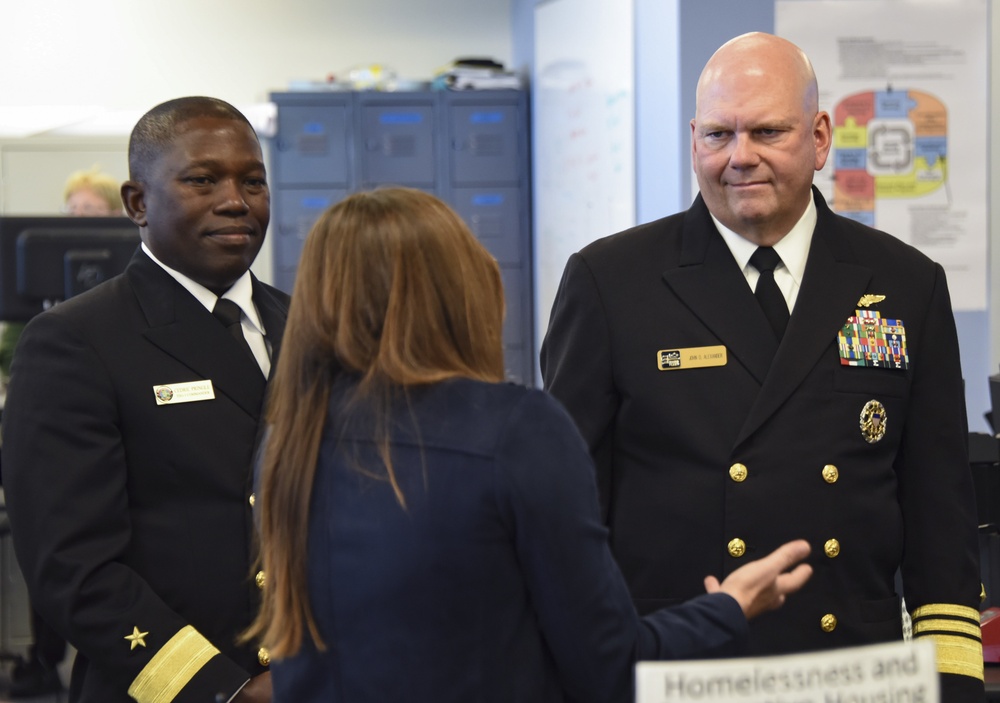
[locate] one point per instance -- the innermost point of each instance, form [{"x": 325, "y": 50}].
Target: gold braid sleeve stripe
[
  {"x": 958, "y": 627},
  {"x": 958, "y": 655},
  {"x": 956, "y": 635},
  {"x": 172, "y": 667},
  {"x": 946, "y": 609}
]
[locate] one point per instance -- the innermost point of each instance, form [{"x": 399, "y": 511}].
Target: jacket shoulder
[{"x": 95, "y": 308}]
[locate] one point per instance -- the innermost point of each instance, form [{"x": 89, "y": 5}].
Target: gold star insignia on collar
[
  {"x": 869, "y": 299},
  {"x": 136, "y": 638}
]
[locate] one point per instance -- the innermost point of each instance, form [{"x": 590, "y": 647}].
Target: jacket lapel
[
  {"x": 273, "y": 314},
  {"x": 181, "y": 327},
  {"x": 833, "y": 282},
  {"x": 709, "y": 282}
]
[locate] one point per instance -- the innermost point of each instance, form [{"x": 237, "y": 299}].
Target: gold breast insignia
[{"x": 870, "y": 299}]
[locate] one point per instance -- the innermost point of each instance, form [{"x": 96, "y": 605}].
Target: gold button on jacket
[
  {"x": 264, "y": 657},
  {"x": 828, "y": 623},
  {"x": 830, "y": 473},
  {"x": 831, "y": 548},
  {"x": 253, "y": 499},
  {"x": 737, "y": 547},
  {"x": 738, "y": 472},
  {"x": 260, "y": 579}
]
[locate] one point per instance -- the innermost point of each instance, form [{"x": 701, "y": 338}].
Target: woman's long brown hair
[{"x": 393, "y": 288}]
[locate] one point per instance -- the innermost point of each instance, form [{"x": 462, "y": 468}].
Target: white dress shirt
[
  {"x": 240, "y": 293},
  {"x": 793, "y": 250}
]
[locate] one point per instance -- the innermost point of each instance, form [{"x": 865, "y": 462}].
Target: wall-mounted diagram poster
[{"x": 905, "y": 83}]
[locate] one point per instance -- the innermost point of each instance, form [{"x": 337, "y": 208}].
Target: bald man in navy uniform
[{"x": 758, "y": 369}]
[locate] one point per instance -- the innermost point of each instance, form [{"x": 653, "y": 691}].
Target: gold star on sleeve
[{"x": 136, "y": 638}]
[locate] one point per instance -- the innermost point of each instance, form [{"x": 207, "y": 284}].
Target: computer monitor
[{"x": 45, "y": 260}]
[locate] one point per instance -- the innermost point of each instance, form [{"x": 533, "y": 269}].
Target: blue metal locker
[
  {"x": 312, "y": 145},
  {"x": 470, "y": 148}
]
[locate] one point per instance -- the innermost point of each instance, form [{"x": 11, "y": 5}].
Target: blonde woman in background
[
  {"x": 87, "y": 193},
  {"x": 92, "y": 193}
]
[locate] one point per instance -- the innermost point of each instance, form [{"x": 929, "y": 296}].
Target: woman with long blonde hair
[{"x": 430, "y": 533}]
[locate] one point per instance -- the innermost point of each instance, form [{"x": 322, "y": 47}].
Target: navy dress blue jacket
[
  {"x": 700, "y": 469},
  {"x": 495, "y": 583},
  {"x": 132, "y": 516}
]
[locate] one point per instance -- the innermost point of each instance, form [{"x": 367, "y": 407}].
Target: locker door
[
  {"x": 297, "y": 210},
  {"x": 516, "y": 337},
  {"x": 493, "y": 215},
  {"x": 398, "y": 144},
  {"x": 484, "y": 144},
  {"x": 311, "y": 144}
]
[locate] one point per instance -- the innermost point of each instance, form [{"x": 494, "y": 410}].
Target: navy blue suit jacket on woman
[{"x": 495, "y": 583}]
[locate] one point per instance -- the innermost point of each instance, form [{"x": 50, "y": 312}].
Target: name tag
[
  {"x": 690, "y": 358},
  {"x": 173, "y": 393}
]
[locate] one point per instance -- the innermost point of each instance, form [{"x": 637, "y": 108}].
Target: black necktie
[
  {"x": 229, "y": 314},
  {"x": 765, "y": 259}
]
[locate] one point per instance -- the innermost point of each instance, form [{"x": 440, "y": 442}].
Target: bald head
[
  {"x": 758, "y": 136},
  {"x": 760, "y": 56}
]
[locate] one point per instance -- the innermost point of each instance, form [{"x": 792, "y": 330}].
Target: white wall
[
  {"x": 74, "y": 77},
  {"x": 134, "y": 54}
]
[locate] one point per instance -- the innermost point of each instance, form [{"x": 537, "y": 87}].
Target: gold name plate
[{"x": 691, "y": 358}]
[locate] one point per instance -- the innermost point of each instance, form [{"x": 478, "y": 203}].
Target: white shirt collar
[
  {"x": 793, "y": 248},
  {"x": 240, "y": 292}
]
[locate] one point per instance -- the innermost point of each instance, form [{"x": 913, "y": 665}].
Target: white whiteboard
[{"x": 583, "y": 132}]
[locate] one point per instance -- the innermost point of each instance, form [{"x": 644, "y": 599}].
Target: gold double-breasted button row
[
  {"x": 738, "y": 547},
  {"x": 263, "y": 656},
  {"x": 828, "y": 623},
  {"x": 739, "y": 472}
]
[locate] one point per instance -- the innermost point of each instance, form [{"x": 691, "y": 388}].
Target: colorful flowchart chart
[{"x": 887, "y": 144}]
